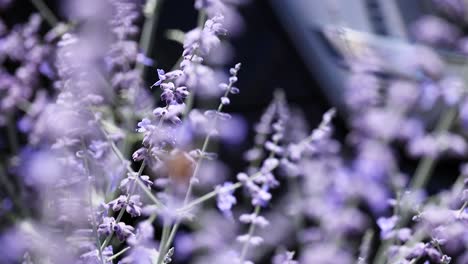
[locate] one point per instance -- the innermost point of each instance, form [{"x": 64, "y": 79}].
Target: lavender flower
[
  {"x": 254, "y": 219},
  {"x": 435, "y": 31},
  {"x": 285, "y": 258},
  {"x": 225, "y": 199},
  {"x": 122, "y": 230}
]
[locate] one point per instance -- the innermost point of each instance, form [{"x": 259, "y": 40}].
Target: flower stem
[
  {"x": 256, "y": 212},
  {"x": 206, "y": 142},
  {"x": 203, "y": 199},
  {"x": 119, "y": 155},
  {"x": 147, "y": 40},
  {"x": 245, "y": 248},
  {"x": 122, "y": 211},
  {"x": 366, "y": 245},
  {"x": 45, "y": 12},
  {"x": 90, "y": 201},
  {"x": 213, "y": 194},
  {"x": 137, "y": 179},
  {"x": 116, "y": 255},
  {"x": 164, "y": 238},
  {"x": 464, "y": 206},
  {"x": 191, "y": 98},
  {"x": 427, "y": 164},
  {"x": 187, "y": 194}
]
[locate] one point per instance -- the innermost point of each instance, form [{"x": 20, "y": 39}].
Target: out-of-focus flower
[
  {"x": 225, "y": 199},
  {"x": 435, "y": 31}
]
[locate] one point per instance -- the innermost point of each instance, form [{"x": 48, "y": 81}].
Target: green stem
[
  {"x": 116, "y": 255},
  {"x": 460, "y": 212},
  {"x": 191, "y": 98},
  {"x": 366, "y": 245},
  {"x": 201, "y": 18},
  {"x": 171, "y": 236},
  {"x": 164, "y": 237},
  {"x": 147, "y": 40},
  {"x": 90, "y": 201},
  {"x": 427, "y": 164},
  {"x": 45, "y": 12},
  {"x": 245, "y": 248},
  {"x": 188, "y": 193},
  {"x": 210, "y": 195}
]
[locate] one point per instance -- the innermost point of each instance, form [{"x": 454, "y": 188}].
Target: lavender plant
[{"x": 99, "y": 171}]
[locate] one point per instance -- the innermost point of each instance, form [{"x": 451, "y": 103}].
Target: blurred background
[{"x": 284, "y": 44}]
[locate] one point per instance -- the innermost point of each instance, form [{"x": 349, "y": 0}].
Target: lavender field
[{"x": 149, "y": 132}]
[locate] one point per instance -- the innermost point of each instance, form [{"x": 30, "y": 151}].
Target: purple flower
[
  {"x": 433, "y": 30},
  {"x": 445, "y": 259},
  {"x": 254, "y": 219},
  {"x": 214, "y": 114},
  {"x": 170, "y": 76},
  {"x": 203, "y": 40},
  {"x": 97, "y": 148},
  {"x": 118, "y": 203},
  {"x": 272, "y": 147},
  {"x": 260, "y": 196},
  {"x": 225, "y": 100},
  {"x": 145, "y": 125},
  {"x": 435, "y": 145},
  {"x": 132, "y": 205},
  {"x": 225, "y": 198},
  {"x": 141, "y": 255},
  {"x": 387, "y": 225},
  {"x": 285, "y": 258},
  {"x": 172, "y": 94},
  {"x": 127, "y": 183},
  {"x": 122, "y": 230},
  {"x": 144, "y": 234},
  {"x": 452, "y": 89},
  {"x": 140, "y": 154},
  {"x": 362, "y": 90},
  {"x": 269, "y": 165},
  {"x": 253, "y": 240},
  {"x": 94, "y": 257},
  {"x": 180, "y": 94},
  {"x": 107, "y": 225}
]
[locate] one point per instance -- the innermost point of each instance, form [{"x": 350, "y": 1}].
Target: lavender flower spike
[{"x": 225, "y": 199}]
